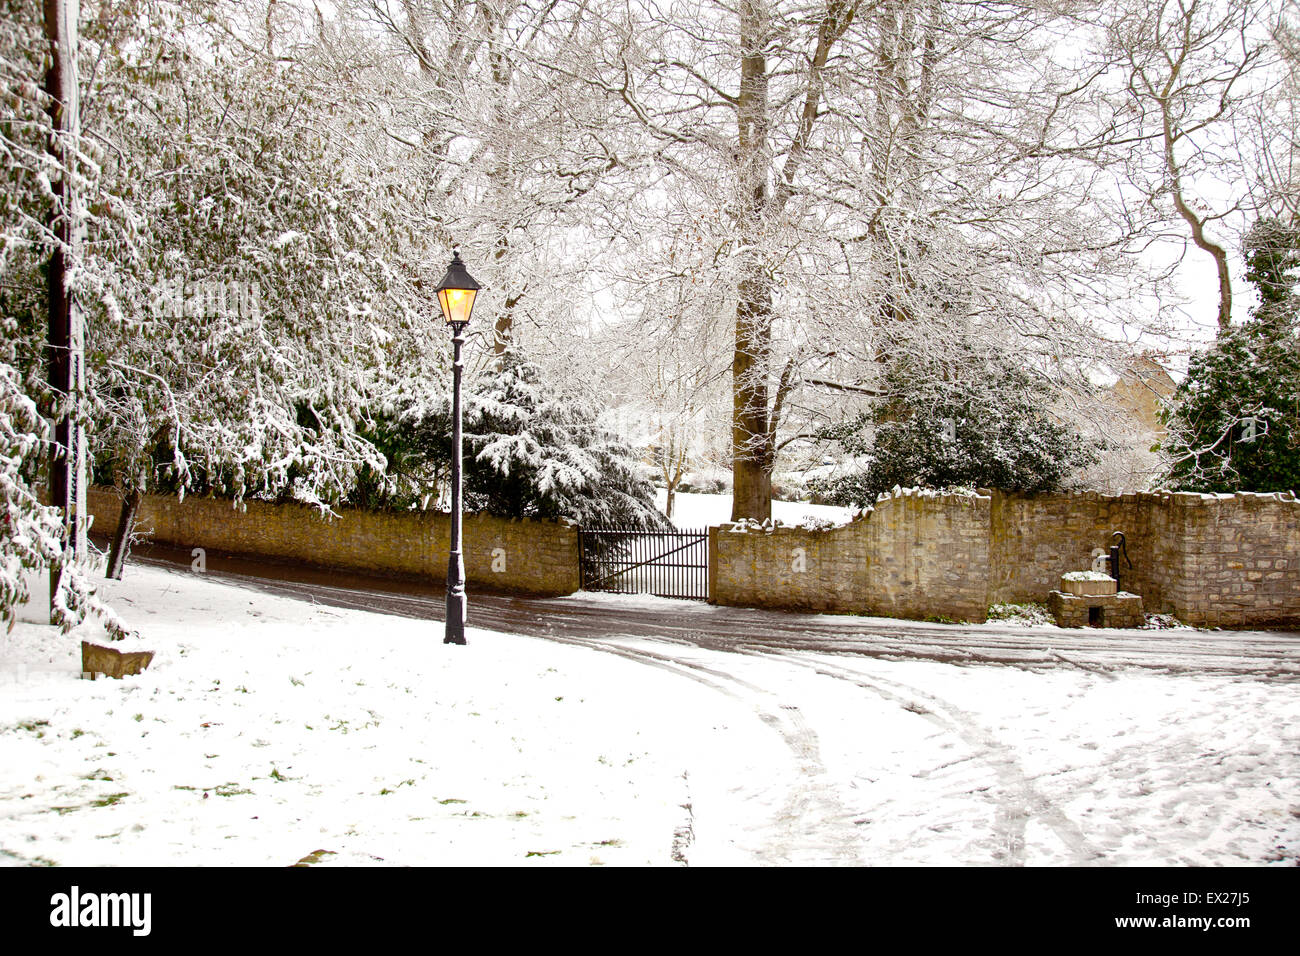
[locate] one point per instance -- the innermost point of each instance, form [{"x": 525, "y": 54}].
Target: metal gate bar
[{"x": 631, "y": 561}]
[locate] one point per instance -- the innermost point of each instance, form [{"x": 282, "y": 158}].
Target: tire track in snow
[
  {"x": 808, "y": 810},
  {"x": 1020, "y": 799}
]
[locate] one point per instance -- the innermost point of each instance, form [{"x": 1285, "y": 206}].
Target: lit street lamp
[{"x": 456, "y": 296}]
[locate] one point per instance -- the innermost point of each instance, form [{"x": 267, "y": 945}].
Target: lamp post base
[{"x": 457, "y": 604}]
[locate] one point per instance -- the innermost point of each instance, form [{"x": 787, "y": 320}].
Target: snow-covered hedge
[{"x": 32, "y": 532}]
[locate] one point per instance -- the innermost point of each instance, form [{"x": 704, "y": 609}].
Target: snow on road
[{"x": 269, "y": 729}]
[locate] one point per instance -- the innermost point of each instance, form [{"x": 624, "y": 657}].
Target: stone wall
[
  {"x": 791, "y": 568},
  {"x": 539, "y": 557},
  {"x": 1221, "y": 560},
  {"x": 1225, "y": 560},
  {"x": 915, "y": 555},
  {"x": 929, "y": 556},
  {"x": 1033, "y": 540},
  {"x": 1240, "y": 564}
]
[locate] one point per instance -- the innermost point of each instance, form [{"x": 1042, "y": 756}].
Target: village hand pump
[{"x": 1118, "y": 547}]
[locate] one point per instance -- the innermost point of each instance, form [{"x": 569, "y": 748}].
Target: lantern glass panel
[{"x": 457, "y": 304}]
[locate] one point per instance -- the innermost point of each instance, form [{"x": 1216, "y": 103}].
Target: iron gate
[{"x": 666, "y": 563}]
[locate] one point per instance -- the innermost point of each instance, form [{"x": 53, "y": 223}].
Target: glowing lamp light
[{"x": 456, "y": 292}]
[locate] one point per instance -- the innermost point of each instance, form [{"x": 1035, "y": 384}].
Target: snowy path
[{"x": 271, "y": 727}]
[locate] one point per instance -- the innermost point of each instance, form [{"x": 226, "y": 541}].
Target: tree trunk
[
  {"x": 65, "y": 335},
  {"x": 1194, "y": 221},
  {"x": 121, "y": 546},
  {"x": 754, "y": 421},
  {"x": 751, "y": 478},
  {"x": 674, "y": 466},
  {"x": 751, "y": 459},
  {"x": 751, "y": 494},
  {"x": 502, "y": 175}
]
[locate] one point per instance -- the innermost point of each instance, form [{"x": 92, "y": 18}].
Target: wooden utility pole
[{"x": 66, "y": 340}]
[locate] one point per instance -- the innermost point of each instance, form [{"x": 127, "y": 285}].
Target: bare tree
[
  {"x": 663, "y": 354},
  {"x": 507, "y": 149},
  {"x": 1190, "y": 68},
  {"x": 1277, "y": 123},
  {"x": 898, "y": 177}
]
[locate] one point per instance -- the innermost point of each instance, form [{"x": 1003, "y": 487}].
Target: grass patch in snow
[
  {"x": 1163, "y": 622},
  {"x": 1026, "y": 614},
  {"x": 314, "y": 857}
]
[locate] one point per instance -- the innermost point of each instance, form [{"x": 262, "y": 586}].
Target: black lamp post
[{"x": 456, "y": 295}]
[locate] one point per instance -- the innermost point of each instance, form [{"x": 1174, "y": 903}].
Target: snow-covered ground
[
  {"x": 269, "y": 729},
  {"x": 698, "y": 511}
]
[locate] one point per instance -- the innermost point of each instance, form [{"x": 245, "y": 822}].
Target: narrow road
[{"x": 584, "y": 616}]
